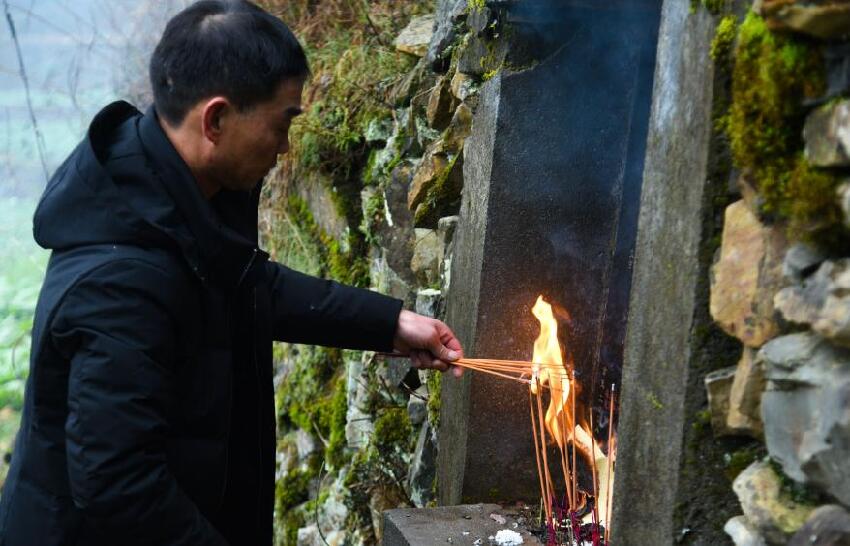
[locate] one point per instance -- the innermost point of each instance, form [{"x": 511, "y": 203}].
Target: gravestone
[
  {"x": 553, "y": 174},
  {"x": 669, "y": 481}
]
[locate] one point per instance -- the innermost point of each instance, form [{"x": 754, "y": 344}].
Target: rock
[
  {"x": 718, "y": 384},
  {"x": 395, "y": 233},
  {"x": 436, "y": 185},
  {"x": 749, "y": 193},
  {"x": 836, "y": 58},
  {"x": 378, "y": 130},
  {"x": 479, "y": 20},
  {"x": 386, "y": 281},
  {"x": 423, "y": 468},
  {"x": 384, "y": 498},
  {"x": 446, "y": 230},
  {"x": 821, "y": 301},
  {"x": 305, "y": 444},
  {"x": 449, "y": 16},
  {"x": 743, "y": 533},
  {"x": 462, "y": 86},
  {"x": 843, "y": 192},
  {"x": 415, "y": 80},
  {"x": 310, "y": 536},
  {"x": 359, "y": 427},
  {"x": 744, "y": 416},
  {"x": 417, "y": 406},
  {"x": 827, "y": 135},
  {"x": 800, "y": 261},
  {"x": 746, "y": 276},
  {"x": 829, "y": 525},
  {"x": 825, "y": 20},
  {"x": 459, "y": 128},
  {"x": 440, "y": 102},
  {"x": 316, "y": 190},
  {"x": 472, "y": 52},
  {"x": 286, "y": 455},
  {"x": 334, "y": 512},
  {"x": 416, "y": 36},
  {"x": 806, "y": 413},
  {"x": 428, "y": 302},
  {"x": 427, "y": 252},
  {"x": 428, "y": 170},
  {"x": 425, "y": 135},
  {"x": 767, "y": 508}
]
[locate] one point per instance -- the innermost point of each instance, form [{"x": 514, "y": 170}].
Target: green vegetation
[
  {"x": 392, "y": 429},
  {"x": 441, "y": 192},
  {"x": 653, "y": 399},
  {"x": 737, "y": 461},
  {"x": 20, "y": 280},
  {"x": 724, "y": 39},
  {"x": 347, "y": 266},
  {"x": 715, "y": 7},
  {"x": 21, "y": 274},
  {"x": 771, "y": 77},
  {"x": 292, "y": 489},
  {"x": 435, "y": 386},
  {"x": 798, "y": 492}
]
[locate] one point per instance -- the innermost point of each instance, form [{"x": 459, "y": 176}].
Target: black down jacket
[{"x": 149, "y": 413}]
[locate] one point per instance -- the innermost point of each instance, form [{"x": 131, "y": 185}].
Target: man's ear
[{"x": 213, "y": 117}]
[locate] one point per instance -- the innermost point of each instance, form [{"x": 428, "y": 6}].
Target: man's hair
[{"x": 230, "y": 48}]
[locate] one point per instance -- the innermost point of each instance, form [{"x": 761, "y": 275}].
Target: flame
[{"x": 560, "y": 421}]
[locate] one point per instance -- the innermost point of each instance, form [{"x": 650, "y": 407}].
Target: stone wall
[
  {"x": 778, "y": 283},
  {"x": 368, "y": 195}
]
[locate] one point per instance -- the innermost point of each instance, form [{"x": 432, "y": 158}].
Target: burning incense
[
  {"x": 611, "y": 455},
  {"x": 561, "y": 424}
]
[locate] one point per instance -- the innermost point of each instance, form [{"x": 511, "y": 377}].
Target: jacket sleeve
[
  {"x": 316, "y": 311},
  {"x": 118, "y": 332}
]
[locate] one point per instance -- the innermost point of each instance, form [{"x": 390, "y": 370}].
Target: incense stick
[
  {"x": 575, "y": 468},
  {"x": 536, "y": 450},
  {"x": 610, "y": 477}
]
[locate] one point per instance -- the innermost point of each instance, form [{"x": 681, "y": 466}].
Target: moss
[
  {"x": 798, "y": 492},
  {"x": 393, "y": 429},
  {"x": 771, "y": 77},
  {"x": 739, "y": 460},
  {"x": 808, "y": 201},
  {"x": 291, "y": 522},
  {"x": 474, "y": 5},
  {"x": 490, "y": 74},
  {"x": 291, "y": 490},
  {"x": 373, "y": 214},
  {"x": 441, "y": 193},
  {"x": 724, "y": 39},
  {"x": 349, "y": 267},
  {"x": 335, "y": 452},
  {"x": 435, "y": 386},
  {"x": 653, "y": 399},
  {"x": 772, "y": 74},
  {"x": 303, "y": 395},
  {"x": 715, "y": 7}
]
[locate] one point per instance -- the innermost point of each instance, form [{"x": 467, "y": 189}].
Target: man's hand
[{"x": 429, "y": 342}]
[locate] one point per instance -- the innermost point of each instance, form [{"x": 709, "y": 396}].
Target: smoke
[{"x": 572, "y": 143}]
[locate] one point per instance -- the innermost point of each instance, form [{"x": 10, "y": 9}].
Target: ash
[{"x": 506, "y": 537}]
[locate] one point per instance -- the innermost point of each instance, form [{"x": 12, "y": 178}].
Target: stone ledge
[{"x": 468, "y": 524}]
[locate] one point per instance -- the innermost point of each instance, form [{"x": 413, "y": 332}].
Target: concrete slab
[{"x": 469, "y": 524}]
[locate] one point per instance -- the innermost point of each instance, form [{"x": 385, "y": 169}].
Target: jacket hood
[{"x": 126, "y": 184}]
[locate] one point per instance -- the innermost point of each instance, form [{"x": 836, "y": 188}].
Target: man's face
[{"x": 250, "y": 141}]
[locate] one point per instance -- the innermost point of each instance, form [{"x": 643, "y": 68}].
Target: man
[{"x": 149, "y": 407}]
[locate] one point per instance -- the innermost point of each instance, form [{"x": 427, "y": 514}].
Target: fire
[{"x": 562, "y": 422}]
